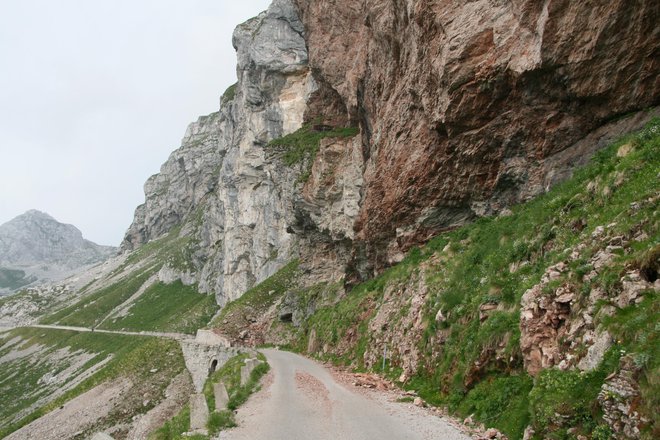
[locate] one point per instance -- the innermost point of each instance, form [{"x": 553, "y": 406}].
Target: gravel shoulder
[{"x": 302, "y": 399}]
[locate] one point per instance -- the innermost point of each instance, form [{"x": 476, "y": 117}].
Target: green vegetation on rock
[
  {"x": 91, "y": 310},
  {"x": 229, "y": 94},
  {"x": 466, "y": 335},
  {"x": 258, "y": 299},
  {"x": 230, "y": 375},
  {"x": 302, "y": 145}
]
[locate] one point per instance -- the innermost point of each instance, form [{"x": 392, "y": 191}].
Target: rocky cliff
[
  {"x": 219, "y": 186},
  {"x": 39, "y": 247},
  {"x": 462, "y": 109},
  {"x": 468, "y": 107}
]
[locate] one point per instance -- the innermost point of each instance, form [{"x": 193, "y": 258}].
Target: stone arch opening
[{"x": 213, "y": 366}]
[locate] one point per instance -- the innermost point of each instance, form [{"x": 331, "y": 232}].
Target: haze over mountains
[{"x": 36, "y": 247}]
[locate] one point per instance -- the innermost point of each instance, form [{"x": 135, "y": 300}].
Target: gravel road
[
  {"x": 301, "y": 400},
  {"x": 175, "y": 336}
]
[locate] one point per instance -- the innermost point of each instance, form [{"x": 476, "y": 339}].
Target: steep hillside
[
  {"x": 82, "y": 382},
  {"x": 358, "y": 131},
  {"x": 542, "y": 319},
  {"x": 34, "y": 246}
]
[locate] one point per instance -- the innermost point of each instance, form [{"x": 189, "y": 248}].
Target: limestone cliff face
[
  {"x": 463, "y": 109},
  {"x": 467, "y": 107},
  {"x": 219, "y": 186}
]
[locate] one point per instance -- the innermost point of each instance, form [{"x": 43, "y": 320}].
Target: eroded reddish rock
[{"x": 467, "y": 107}]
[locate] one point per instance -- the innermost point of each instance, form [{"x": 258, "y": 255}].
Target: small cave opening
[
  {"x": 286, "y": 317},
  {"x": 649, "y": 273},
  {"x": 649, "y": 265},
  {"x": 213, "y": 367}
]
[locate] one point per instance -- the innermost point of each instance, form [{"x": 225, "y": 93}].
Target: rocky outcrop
[
  {"x": 41, "y": 248},
  {"x": 467, "y": 107},
  {"x": 619, "y": 397},
  {"x": 557, "y": 323},
  {"x": 219, "y": 187}
]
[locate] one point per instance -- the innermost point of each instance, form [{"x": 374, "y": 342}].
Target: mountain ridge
[{"x": 43, "y": 248}]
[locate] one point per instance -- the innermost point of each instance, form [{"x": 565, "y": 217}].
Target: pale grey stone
[
  {"x": 220, "y": 187},
  {"x": 245, "y": 374},
  {"x": 101, "y": 436},
  {"x": 199, "y": 412},
  {"x": 45, "y": 249},
  {"x": 221, "y": 396}
]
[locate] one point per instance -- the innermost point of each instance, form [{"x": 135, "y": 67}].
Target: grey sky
[{"x": 94, "y": 95}]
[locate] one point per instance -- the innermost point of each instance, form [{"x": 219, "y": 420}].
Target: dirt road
[
  {"x": 175, "y": 336},
  {"x": 301, "y": 400}
]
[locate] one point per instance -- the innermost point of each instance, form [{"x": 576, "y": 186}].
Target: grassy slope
[
  {"x": 174, "y": 307},
  {"x": 167, "y": 307},
  {"x": 91, "y": 310},
  {"x": 471, "y": 266},
  {"x": 255, "y": 302},
  {"x": 132, "y": 357}
]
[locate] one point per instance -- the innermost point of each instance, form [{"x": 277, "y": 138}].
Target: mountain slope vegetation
[{"x": 461, "y": 317}]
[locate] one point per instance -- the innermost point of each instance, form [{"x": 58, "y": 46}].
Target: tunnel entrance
[{"x": 214, "y": 365}]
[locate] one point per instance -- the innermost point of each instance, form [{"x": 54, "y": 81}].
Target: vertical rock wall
[{"x": 219, "y": 187}]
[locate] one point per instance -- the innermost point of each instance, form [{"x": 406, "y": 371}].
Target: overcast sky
[{"x": 94, "y": 95}]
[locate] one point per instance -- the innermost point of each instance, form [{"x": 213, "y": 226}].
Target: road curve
[{"x": 303, "y": 401}]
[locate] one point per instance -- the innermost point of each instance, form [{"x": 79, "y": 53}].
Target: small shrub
[{"x": 220, "y": 420}]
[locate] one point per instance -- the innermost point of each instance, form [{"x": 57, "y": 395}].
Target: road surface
[
  {"x": 175, "y": 336},
  {"x": 301, "y": 400}
]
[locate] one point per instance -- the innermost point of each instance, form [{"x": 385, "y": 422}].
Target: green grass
[
  {"x": 132, "y": 357},
  {"x": 232, "y": 318},
  {"x": 168, "y": 308},
  {"x": 500, "y": 401},
  {"x": 175, "y": 427},
  {"x": 229, "y": 94},
  {"x": 91, "y": 310},
  {"x": 230, "y": 375},
  {"x": 303, "y": 145},
  {"x": 562, "y": 399}
]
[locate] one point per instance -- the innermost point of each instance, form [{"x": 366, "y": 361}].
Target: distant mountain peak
[
  {"x": 44, "y": 248},
  {"x": 35, "y": 213}
]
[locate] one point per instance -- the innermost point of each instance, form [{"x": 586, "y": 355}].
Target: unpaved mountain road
[
  {"x": 301, "y": 400},
  {"x": 175, "y": 336}
]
